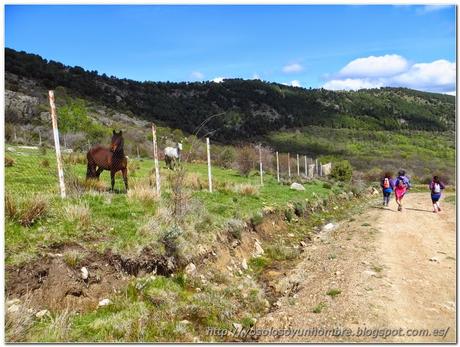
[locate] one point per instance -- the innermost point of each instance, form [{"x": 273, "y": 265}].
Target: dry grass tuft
[
  {"x": 79, "y": 213},
  {"x": 11, "y": 208},
  {"x": 9, "y": 161},
  {"x": 246, "y": 190},
  {"x": 18, "y": 323},
  {"x": 194, "y": 182},
  {"x": 143, "y": 192},
  {"x": 34, "y": 209},
  {"x": 26, "y": 212}
]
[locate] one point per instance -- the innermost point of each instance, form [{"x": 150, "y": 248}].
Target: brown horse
[{"x": 113, "y": 159}]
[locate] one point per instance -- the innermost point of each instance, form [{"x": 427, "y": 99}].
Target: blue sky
[{"x": 337, "y": 47}]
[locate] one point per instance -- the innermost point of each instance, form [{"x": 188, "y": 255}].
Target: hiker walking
[
  {"x": 436, "y": 186},
  {"x": 402, "y": 185},
  {"x": 387, "y": 185}
]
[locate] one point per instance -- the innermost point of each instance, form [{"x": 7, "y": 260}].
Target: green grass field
[
  {"x": 148, "y": 308},
  {"x": 116, "y": 219}
]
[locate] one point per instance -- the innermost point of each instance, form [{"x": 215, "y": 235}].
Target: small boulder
[
  {"x": 328, "y": 227},
  {"x": 14, "y": 308},
  {"x": 84, "y": 273},
  {"x": 244, "y": 264},
  {"x": 190, "y": 269},
  {"x": 12, "y": 302},
  {"x": 258, "y": 249},
  {"x": 297, "y": 186},
  {"x": 104, "y": 302},
  {"x": 42, "y": 313}
]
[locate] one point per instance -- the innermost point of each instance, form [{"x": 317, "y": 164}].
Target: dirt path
[{"x": 394, "y": 270}]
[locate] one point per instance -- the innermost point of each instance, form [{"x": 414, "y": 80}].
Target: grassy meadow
[{"x": 151, "y": 307}]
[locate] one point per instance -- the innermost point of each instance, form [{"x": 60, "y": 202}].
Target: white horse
[{"x": 172, "y": 155}]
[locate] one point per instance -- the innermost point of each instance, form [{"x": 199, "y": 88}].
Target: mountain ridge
[{"x": 247, "y": 108}]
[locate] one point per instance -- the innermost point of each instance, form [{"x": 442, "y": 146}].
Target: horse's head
[
  {"x": 117, "y": 142},
  {"x": 179, "y": 146}
]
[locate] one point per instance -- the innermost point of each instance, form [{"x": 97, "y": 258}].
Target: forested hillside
[{"x": 245, "y": 108}]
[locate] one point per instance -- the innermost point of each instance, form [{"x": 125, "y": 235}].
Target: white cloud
[
  {"x": 437, "y": 76},
  {"x": 295, "y": 83},
  {"x": 218, "y": 79},
  {"x": 352, "y": 84},
  {"x": 386, "y": 65},
  {"x": 197, "y": 75},
  {"x": 292, "y": 68},
  {"x": 256, "y": 76}
]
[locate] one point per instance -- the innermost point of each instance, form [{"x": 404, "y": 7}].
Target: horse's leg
[
  {"x": 112, "y": 178},
  {"x": 124, "y": 172},
  {"x": 98, "y": 172}
]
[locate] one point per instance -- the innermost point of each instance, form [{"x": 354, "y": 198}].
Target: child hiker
[
  {"x": 436, "y": 186},
  {"x": 387, "y": 188},
  {"x": 402, "y": 185}
]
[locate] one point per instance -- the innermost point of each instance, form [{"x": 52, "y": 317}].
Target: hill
[
  {"x": 374, "y": 129},
  {"x": 246, "y": 108}
]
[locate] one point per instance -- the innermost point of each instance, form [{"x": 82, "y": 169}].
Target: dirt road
[{"x": 382, "y": 272}]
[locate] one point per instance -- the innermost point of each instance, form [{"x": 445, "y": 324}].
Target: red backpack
[{"x": 386, "y": 183}]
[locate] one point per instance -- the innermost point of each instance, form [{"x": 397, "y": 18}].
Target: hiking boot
[{"x": 399, "y": 208}]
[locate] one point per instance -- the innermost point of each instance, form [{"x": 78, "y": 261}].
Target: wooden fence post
[
  {"x": 316, "y": 167},
  {"x": 209, "y": 165},
  {"x": 155, "y": 159},
  {"x": 298, "y": 166},
  {"x": 289, "y": 165},
  {"x": 306, "y": 166},
  {"x": 320, "y": 169},
  {"x": 39, "y": 138},
  {"x": 260, "y": 166},
  {"x": 56, "y": 144},
  {"x": 277, "y": 167}
]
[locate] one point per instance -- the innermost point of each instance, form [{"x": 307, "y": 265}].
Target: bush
[
  {"x": 226, "y": 157},
  {"x": 246, "y": 158},
  {"x": 235, "y": 228},
  {"x": 342, "y": 171},
  {"x": 257, "y": 219}
]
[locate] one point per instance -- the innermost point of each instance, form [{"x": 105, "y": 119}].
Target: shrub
[
  {"x": 226, "y": 157},
  {"x": 288, "y": 214},
  {"x": 235, "y": 228},
  {"x": 9, "y": 161},
  {"x": 342, "y": 171},
  {"x": 257, "y": 219},
  {"x": 246, "y": 158}
]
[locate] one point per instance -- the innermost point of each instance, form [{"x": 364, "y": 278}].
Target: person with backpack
[
  {"x": 387, "y": 188},
  {"x": 402, "y": 185},
  {"x": 436, "y": 186}
]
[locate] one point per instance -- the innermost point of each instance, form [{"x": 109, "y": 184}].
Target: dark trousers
[{"x": 386, "y": 198}]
